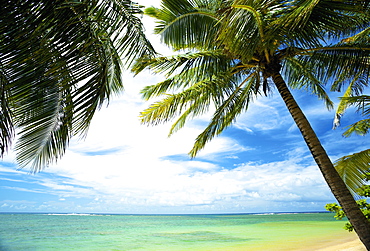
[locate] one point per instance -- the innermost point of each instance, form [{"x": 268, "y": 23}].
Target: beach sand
[
  {"x": 344, "y": 241},
  {"x": 350, "y": 243},
  {"x": 355, "y": 245}
]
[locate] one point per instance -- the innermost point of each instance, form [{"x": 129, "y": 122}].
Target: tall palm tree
[
  {"x": 234, "y": 51},
  {"x": 59, "y": 62}
]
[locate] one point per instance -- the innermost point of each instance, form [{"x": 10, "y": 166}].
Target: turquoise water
[{"x": 41, "y": 232}]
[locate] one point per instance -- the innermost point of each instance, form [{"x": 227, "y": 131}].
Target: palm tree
[
  {"x": 233, "y": 51},
  {"x": 59, "y": 62}
]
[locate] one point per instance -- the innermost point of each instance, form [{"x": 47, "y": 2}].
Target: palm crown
[{"x": 232, "y": 48}]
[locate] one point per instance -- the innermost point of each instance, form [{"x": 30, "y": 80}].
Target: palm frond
[
  {"x": 355, "y": 87},
  {"x": 208, "y": 62},
  {"x": 300, "y": 77},
  {"x": 361, "y": 127},
  {"x": 45, "y": 131},
  {"x": 215, "y": 90},
  {"x": 184, "y": 24},
  {"x": 194, "y": 100},
  {"x": 158, "y": 89},
  {"x": 352, "y": 169},
  {"x": 306, "y": 23},
  {"x": 126, "y": 32},
  {"x": 362, "y": 36},
  {"x": 242, "y": 29},
  {"x": 362, "y": 104},
  {"x": 226, "y": 113},
  {"x": 173, "y": 105},
  {"x": 183, "y": 70},
  {"x": 6, "y": 123},
  {"x": 338, "y": 60}
]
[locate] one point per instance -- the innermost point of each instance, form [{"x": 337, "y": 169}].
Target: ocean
[{"x": 43, "y": 232}]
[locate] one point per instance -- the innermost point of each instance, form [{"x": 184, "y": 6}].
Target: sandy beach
[
  {"x": 350, "y": 243},
  {"x": 355, "y": 245}
]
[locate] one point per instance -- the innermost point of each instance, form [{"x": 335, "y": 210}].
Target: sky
[{"x": 260, "y": 164}]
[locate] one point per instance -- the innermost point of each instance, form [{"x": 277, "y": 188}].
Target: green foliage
[
  {"x": 339, "y": 213},
  {"x": 364, "y": 206},
  {"x": 151, "y": 11},
  {"x": 335, "y": 208},
  {"x": 60, "y": 61},
  {"x": 186, "y": 24},
  {"x": 354, "y": 168}
]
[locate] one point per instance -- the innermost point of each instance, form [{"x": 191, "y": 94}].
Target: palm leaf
[
  {"x": 193, "y": 101},
  {"x": 362, "y": 36},
  {"x": 183, "y": 24},
  {"x": 226, "y": 113},
  {"x": 305, "y": 23},
  {"x": 243, "y": 21},
  {"x": 355, "y": 87},
  {"x": 173, "y": 105},
  {"x": 208, "y": 62},
  {"x": 338, "y": 60},
  {"x": 361, "y": 127},
  {"x": 217, "y": 90},
  {"x": 352, "y": 169},
  {"x": 6, "y": 123},
  {"x": 190, "y": 68},
  {"x": 299, "y": 76}
]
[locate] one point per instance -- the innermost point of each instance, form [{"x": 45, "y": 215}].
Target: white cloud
[
  {"x": 4, "y": 205},
  {"x": 265, "y": 113},
  {"x": 189, "y": 183}
]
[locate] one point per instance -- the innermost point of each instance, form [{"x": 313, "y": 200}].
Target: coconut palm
[
  {"x": 59, "y": 62},
  {"x": 231, "y": 52}
]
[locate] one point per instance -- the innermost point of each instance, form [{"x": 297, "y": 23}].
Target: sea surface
[{"x": 41, "y": 232}]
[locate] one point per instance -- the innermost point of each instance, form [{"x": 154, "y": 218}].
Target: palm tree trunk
[{"x": 335, "y": 182}]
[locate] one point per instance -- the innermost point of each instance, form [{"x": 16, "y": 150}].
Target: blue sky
[{"x": 260, "y": 164}]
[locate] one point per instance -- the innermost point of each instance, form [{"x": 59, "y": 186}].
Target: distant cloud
[{"x": 178, "y": 184}]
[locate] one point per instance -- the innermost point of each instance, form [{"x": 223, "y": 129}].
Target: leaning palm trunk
[{"x": 331, "y": 176}]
